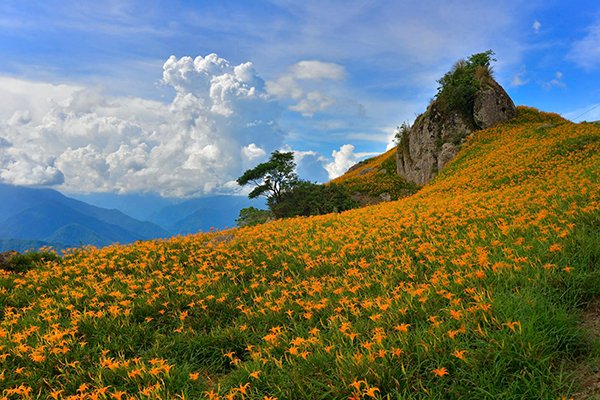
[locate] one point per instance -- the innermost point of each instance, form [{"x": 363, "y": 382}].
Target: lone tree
[{"x": 271, "y": 178}]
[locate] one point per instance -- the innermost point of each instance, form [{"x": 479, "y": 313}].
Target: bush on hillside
[
  {"x": 458, "y": 87},
  {"x": 27, "y": 261},
  {"x": 252, "y": 216},
  {"x": 312, "y": 199}
]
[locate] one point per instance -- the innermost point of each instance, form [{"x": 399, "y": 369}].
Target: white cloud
[
  {"x": 557, "y": 82},
  {"x": 284, "y": 88},
  {"x": 221, "y": 121},
  {"x": 536, "y": 26},
  {"x": 586, "y": 52},
  {"x": 313, "y": 102},
  {"x": 251, "y": 154},
  {"x": 311, "y": 165},
  {"x": 344, "y": 159},
  {"x": 287, "y": 86},
  {"x": 33, "y": 98},
  {"x": 518, "y": 78},
  {"x": 24, "y": 167},
  {"x": 317, "y": 70}
]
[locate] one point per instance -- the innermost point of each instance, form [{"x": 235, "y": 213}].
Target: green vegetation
[
  {"x": 288, "y": 196},
  {"x": 401, "y": 131},
  {"x": 311, "y": 199},
  {"x": 381, "y": 179},
  {"x": 251, "y": 216},
  {"x": 458, "y": 88},
  {"x": 470, "y": 289},
  {"x": 24, "y": 262},
  {"x": 272, "y": 178}
]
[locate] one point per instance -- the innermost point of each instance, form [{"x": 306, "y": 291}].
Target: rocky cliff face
[{"x": 436, "y": 136}]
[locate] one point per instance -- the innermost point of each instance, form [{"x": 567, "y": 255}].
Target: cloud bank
[{"x": 220, "y": 122}]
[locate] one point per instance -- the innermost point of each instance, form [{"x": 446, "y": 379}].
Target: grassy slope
[
  {"x": 376, "y": 182},
  {"x": 468, "y": 289}
]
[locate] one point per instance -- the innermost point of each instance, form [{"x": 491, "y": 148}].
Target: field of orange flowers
[{"x": 468, "y": 289}]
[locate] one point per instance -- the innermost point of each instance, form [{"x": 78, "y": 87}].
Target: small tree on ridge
[{"x": 271, "y": 178}]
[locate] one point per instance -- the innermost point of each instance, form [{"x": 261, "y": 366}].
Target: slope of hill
[
  {"x": 376, "y": 176},
  {"x": 468, "y": 289},
  {"x": 116, "y": 217},
  {"x": 14, "y": 199},
  {"x": 74, "y": 235},
  {"x": 203, "y": 220}
]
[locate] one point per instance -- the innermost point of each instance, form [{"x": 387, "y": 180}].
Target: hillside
[
  {"x": 67, "y": 233},
  {"x": 471, "y": 288},
  {"x": 374, "y": 177}
]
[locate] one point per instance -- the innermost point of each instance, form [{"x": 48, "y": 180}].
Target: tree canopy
[{"x": 271, "y": 178}]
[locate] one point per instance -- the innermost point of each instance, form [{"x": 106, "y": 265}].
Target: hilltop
[{"x": 470, "y": 288}]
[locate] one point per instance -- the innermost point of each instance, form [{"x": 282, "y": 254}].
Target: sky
[{"x": 179, "y": 98}]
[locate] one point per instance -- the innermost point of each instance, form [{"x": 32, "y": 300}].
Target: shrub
[
  {"x": 458, "y": 87},
  {"x": 252, "y": 216},
  {"x": 401, "y": 132},
  {"x": 27, "y": 261},
  {"x": 312, "y": 199}
]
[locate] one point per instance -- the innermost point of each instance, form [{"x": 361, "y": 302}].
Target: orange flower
[
  {"x": 555, "y": 247},
  {"x": 440, "y": 371},
  {"x": 255, "y": 374},
  {"x": 459, "y": 354},
  {"x": 371, "y": 392}
]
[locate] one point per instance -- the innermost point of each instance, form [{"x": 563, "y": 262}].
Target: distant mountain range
[
  {"x": 32, "y": 218},
  {"x": 202, "y": 213}
]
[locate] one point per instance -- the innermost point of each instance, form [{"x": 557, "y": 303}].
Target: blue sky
[{"x": 89, "y": 103}]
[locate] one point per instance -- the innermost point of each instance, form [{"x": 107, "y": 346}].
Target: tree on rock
[{"x": 271, "y": 178}]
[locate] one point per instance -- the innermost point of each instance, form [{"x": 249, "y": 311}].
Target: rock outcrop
[
  {"x": 436, "y": 136},
  {"x": 223, "y": 239},
  {"x": 5, "y": 259},
  {"x": 365, "y": 199}
]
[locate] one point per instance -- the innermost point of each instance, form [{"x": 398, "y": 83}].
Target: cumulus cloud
[
  {"x": 221, "y": 121},
  {"x": 285, "y": 87},
  {"x": 252, "y": 154},
  {"x": 21, "y": 167},
  {"x": 32, "y": 98},
  {"x": 343, "y": 159},
  {"x": 313, "y": 102},
  {"x": 536, "y": 26}
]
